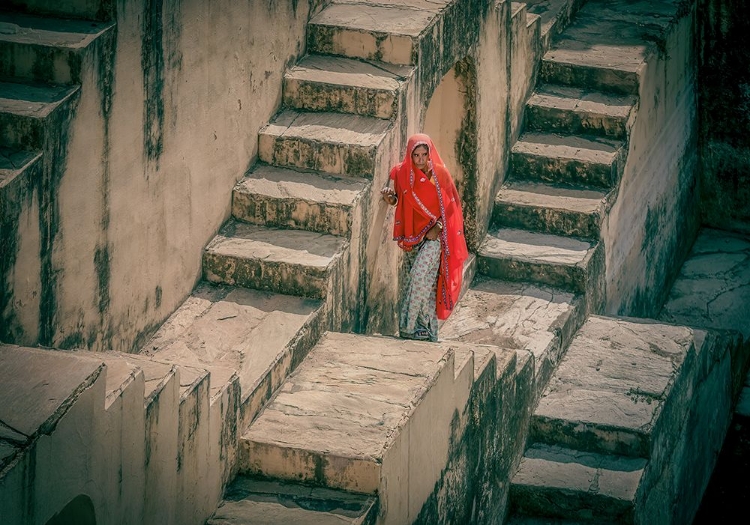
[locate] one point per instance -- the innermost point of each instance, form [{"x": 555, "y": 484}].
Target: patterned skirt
[{"x": 418, "y": 317}]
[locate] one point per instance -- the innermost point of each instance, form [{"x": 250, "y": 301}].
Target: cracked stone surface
[
  {"x": 349, "y": 394},
  {"x": 291, "y": 246},
  {"x": 509, "y": 315},
  {"x": 616, "y": 373},
  {"x": 550, "y": 466},
  {"x": 234, "y": 329},
  {"x": 271, "y": 502},
  {"x": 532, "y": 246},
  {"x": 554, "y": 197},
  {"x": 713, "y": 287},
  {"x": 580, "y": 100},
  {"x": 341, "y": 71},
  {"x": 401, "y": 18},
  {"x": 28, "y": 405},
  {"x": 280, "y": 183},
  {"x": 334, "y": 128}
]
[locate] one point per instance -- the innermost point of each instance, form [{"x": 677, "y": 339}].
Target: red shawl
[{"x": 420, "y": 204}]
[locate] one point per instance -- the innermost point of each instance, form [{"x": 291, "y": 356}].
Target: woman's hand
[
  {"x": 389, "y": 195},
  {"x": 434, "y": 232}
]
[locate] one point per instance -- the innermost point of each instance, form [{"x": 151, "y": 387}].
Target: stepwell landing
[
  {"x": 517, "y": 316},
  {"x": 258, "y": 334},
  {"x": 342, "y": 419}
]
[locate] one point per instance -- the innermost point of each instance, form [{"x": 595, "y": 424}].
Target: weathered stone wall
[
  {"x": 654, "y": 220},
  {"x": 724, "y": 101},
  {"x": 110, "y": 243}
]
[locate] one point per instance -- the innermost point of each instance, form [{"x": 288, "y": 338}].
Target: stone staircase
[
  {"x": 285, "y": 268},
  {"x": 609, "y": 425},
  {"x": 318, "y": 430},
  {"x": 48, "y": 65},
  {"x": 308, "y": 425},
  {"x": 601, "y": 435},
  {"x": 354, "y": 417}
]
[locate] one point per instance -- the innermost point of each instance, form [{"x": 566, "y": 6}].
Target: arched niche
[
  {"x": 450, "y": 120},
  {"x": 78, "y": 511}
]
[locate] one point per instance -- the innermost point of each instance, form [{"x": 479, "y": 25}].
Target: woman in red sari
[{"x": 429, "y": 226}]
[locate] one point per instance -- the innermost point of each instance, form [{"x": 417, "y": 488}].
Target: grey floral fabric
[{"x": 418, "y": 317}]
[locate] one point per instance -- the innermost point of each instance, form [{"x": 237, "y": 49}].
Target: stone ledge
[{"x": 544, "y": 208}]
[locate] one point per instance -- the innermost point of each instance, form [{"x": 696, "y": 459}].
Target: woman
[{"x": 429, "y": 226}]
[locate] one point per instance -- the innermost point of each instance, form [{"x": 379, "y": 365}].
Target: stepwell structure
[{"x": 199, "y": 289}]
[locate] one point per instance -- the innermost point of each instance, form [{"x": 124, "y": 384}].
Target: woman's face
[{"x": 419, "y": 156}]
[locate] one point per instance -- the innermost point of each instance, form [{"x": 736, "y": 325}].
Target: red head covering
[{"x": 420, "y": 204}]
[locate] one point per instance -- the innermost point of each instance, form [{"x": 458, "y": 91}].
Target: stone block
[
  {"x": 620, "y": 388},
  {"x": 333, "y": 143},
  {"x": 349, "y": 417},
  {"x": 329, "y": 83},
  {"x": 564, "y": 109},
  {"x": 52, "y": 403},
  {"x": 556, "y": 482},
  {"x": 290, "y": 262},
  {"x": 28, "y": 112},
  {"x": 262, "y": 502},
  {"x": 386, "y": 33},
  {"x": 257, "y": 336},
  {"x": 566, "y": 159},
  {"x": 44, "y": 49},
  {"x": 120, "y": 441},
  {"x": 161, "y": 407},
  {"x": 518, "y": 255},
  {"x": 604, "y": 68},
  {"x": 550, "y": 209},
  {"x": 311, "y": 201}
]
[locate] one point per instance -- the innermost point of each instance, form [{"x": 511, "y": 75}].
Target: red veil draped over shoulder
[{"x": 421, "y": 203}]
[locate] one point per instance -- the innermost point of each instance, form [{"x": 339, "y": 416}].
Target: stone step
[
  {"x": 540, "y": 258},
  {"x": 249, "y": 501},
  {"x": 258, "y": 336},
  {"x": 330, "y": 83},
  {"x": 292, "y": 262},
  {"x": 605, "y": 48},
  {"x": 387, "y": 33},
  {"x": 567, "y": 159},
  {"x": 38, "y": 387},
  {"x": 349, "y": 418},
  {"x": 46, "y": 49},
  {"x": 620, "y": 389},
  {"x": 555, "y": 15},
  {"x": 80, "y": 9},
  {"x": 557, "y": 210},
  {"x": 333, "y": 143},
  {"x": 602, "y": 72},
  {"x": 571, "y": 110},
  {"x": 19, "y": 169},
  {"x": 518, "y": 316},
  {"x": 29, "y": 111},
  {"x": 555, "y": 482},
  {"x": 280, "y": 197}
]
